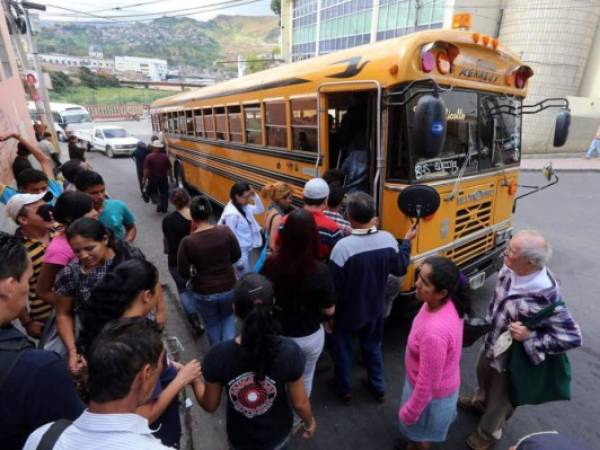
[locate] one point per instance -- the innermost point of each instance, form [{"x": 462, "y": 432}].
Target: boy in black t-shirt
[{"x": 261, "y": 373}]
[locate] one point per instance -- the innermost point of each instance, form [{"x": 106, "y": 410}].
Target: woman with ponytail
[
  {"x": 433, "y": 352},
  {"x": 132, "y": 290},
  {"x": 238, "y": 215},
  {"x": 262, "y": 373}
]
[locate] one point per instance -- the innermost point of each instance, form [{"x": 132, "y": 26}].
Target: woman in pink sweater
[{"x": 433, "y": 354}]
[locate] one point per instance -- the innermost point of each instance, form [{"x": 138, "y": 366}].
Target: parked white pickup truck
[{"x": 112, "y": 140}]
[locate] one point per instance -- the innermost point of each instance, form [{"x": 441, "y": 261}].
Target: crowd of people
[{"x": 82, "y": 313}]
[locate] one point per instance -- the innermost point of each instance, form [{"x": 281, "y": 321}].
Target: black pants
[
  {"x": 158, "y": 187},
  {"x": 139, "y": 169}
]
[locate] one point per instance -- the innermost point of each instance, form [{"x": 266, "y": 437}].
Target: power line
[{"x": 186, "y": 11}]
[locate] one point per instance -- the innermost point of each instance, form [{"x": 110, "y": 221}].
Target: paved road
[{"x": 567, "y": 214}]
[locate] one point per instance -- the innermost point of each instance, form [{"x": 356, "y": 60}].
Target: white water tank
[{"x": 554, "y": 38}]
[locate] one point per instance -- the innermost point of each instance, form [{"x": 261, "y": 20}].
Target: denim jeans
[
  {"x": 594, "y": 149},
  {"x": 369, "y": 337},
  {"x": 217, "y": 314}
]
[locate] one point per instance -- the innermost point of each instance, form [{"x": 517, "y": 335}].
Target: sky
[{"x": 94, "y": 9}]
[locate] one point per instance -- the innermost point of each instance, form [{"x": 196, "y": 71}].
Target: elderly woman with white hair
[{"x": 525, "y": 287}]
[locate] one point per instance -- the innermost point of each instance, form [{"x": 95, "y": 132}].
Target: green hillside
[{"x": 181, "y": 41}]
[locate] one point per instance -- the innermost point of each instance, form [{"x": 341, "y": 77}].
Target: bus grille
[
  {"x": 469, "y": 220},
  {"x": 472, "y": 218},
  {"x": 467, "y": 252}
]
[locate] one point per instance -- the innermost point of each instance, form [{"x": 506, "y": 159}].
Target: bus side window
[
  {"x": 182, "y": 125},
  {"x": 253, "y": 125},
  {"x": 221, "y": 123},
  {"x": 275, "y": 124},
  {"x": 199, "y": 122},
  {"x": 189, "y": 121},
  {"x": 304, "y": 124},
  {"x": 209, "y": 126},
  {"x": 235, "y": 123}
]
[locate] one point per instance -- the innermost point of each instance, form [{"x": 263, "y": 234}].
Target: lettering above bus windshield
[{"x": 479, "y": 137}]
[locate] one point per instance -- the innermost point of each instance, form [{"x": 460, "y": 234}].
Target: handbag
[
  {"x": 533, "y": 384},
  {"x": 473, "y": 329}
]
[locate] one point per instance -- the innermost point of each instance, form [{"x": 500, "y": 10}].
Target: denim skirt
[{"x": 435, "y": 420}]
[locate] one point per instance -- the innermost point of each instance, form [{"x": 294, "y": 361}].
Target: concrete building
[
  {"x": 67, "y": 61},
  {"x": 154, "y": 69},
  {"x": 556, "y": 38}
]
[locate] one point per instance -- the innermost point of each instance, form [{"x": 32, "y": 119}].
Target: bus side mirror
[
  {"x": 418, "y": 200},
  {"x": 561, "y": 128},
  {"x": 430, "y": 126}
]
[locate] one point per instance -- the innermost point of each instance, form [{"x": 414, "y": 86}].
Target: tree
[
  {"x": 60, "y": 81},
  {"x": 255, "y": 63},
  {"x": 276, "y": 7},
  {"x": 88, "y": 78}
]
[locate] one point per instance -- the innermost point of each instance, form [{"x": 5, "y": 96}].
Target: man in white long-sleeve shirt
[{"x": 124, "y": 366}]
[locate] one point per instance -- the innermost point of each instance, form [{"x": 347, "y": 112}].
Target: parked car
[{"x": 113, "y": 140}]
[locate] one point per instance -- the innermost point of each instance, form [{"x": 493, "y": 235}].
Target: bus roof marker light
[
  {"x": 495, "y": 43},
  {"x": 443, "y": 63},
  {"x": 522, "y": 74},
  {"x": 393, "y": 69},
  {"x": 476, "y": 37},
  {"x": 485, "y": 40},
  {"x": 427, "y": 62}
]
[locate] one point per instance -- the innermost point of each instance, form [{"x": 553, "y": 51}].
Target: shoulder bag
[{"x": 532, "y": 384}]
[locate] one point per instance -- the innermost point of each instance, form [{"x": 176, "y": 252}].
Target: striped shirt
[
  {"x": 100, "y": 432},
  {"x": 38, "y": 308},
  {"x": 343, "y": 224}
]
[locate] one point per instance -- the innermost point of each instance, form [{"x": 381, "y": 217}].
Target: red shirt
[
  {"x": 157, "y": 164},
  {"x": 329, "y": 233}
]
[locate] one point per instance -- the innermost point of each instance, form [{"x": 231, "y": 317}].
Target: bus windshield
[{"x": 480, "y": 137}]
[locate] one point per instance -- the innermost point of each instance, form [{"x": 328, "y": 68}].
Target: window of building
[
  {"x": 209, "y": 125},
  {"x": 276, "y": 124},
  {"x": 189, "y": 121},
  {"x": 253, "y": 124},
  {"x": 234, "y": 115},
  {"x": 304, "y": 124},
  {"x": 199, "y": 122},
  {"x": 221, "y": 123}
]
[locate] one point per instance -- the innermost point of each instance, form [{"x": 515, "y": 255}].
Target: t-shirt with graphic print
[{"x": 259, "y": 416}]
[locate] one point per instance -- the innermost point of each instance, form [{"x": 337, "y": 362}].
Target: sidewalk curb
[{"x": 187, "y": 441}]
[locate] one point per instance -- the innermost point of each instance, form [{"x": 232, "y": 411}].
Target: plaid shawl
[{"x": 556, "y": 334}]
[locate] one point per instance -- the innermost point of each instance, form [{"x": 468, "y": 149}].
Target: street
[{"x": 564, "y": 214}]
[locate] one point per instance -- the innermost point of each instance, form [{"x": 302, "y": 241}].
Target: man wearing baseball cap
[
  {"x": 157, "y": 172},
  {"x": 315, "y": 196},
  {"x": 32, "y": 213}
]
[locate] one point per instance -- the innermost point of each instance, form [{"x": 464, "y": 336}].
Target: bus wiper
[{"x": 471, "y": 146}]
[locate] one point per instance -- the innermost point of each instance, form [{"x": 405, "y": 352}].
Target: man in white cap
[
  {"x": 157, "y": 172},
  {"x": 32, "y": 213},
  {"x": 315, "y": 196}
]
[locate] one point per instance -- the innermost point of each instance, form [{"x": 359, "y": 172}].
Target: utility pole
[
  {"x": 418, "y": 7},
  {"x": 33, "y": 48}
]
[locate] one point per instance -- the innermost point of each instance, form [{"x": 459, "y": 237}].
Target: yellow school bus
[{"x": 296, "y": 121}]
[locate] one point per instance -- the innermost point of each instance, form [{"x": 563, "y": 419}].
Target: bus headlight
[{"x": 503, "y": 235}]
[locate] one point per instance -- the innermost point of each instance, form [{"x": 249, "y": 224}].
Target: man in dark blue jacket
[
  {"x": 35, "y": 386},
  {"x": 360, "y": 265}
]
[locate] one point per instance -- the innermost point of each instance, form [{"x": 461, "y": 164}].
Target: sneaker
[
  {"x": 477, "y": 441},
  {"x": 376, "y": 393},
  {"x": 471, "y": 404}
]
